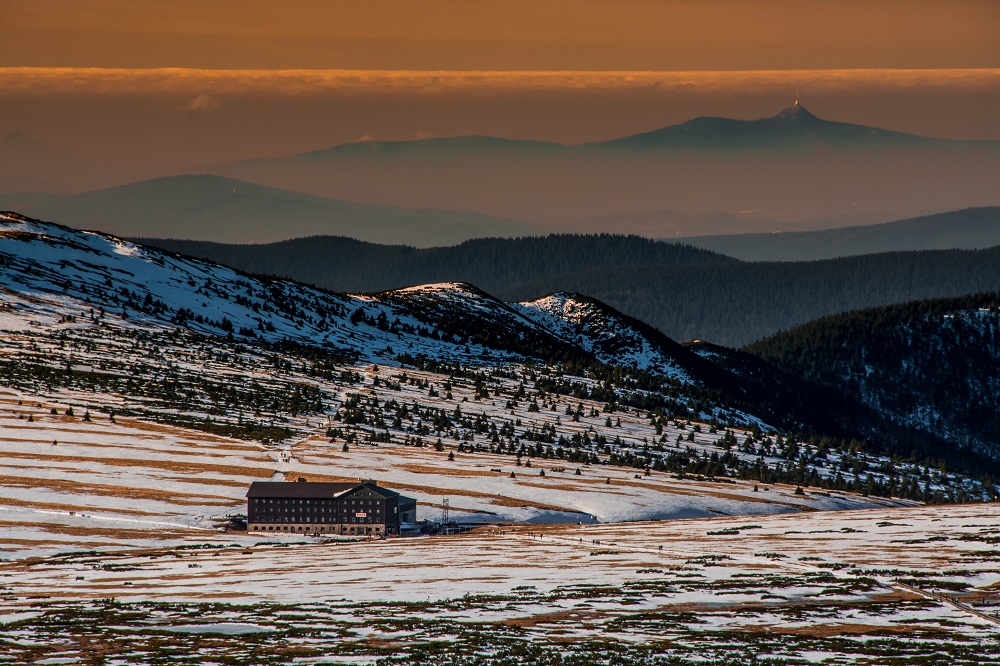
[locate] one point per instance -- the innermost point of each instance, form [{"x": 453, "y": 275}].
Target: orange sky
[
  {"x": 659, "y": 35},
  {"x": 136, "y": 88}
]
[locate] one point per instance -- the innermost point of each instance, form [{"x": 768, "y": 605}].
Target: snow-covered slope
[
  {"x": 52, "y": 274},
  {"x": 608, "y": 334}
]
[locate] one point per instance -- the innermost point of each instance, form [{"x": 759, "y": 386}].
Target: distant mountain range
[
  {"x": 792, "y": 128},
  {"x": 735, "y": 303},
  {"x": 792, "y": 167},
  {"x": 969, "y": 229},
  {"x": 705, "y": 177},
  {"x": 213, "y": 208}
]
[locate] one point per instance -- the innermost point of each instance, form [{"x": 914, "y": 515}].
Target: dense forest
[
  {"x": 735, "y": 303},
  {"x": 493, "y": 264},
  {"x": 927, "y": 364},
  {"x": 685, "y": 292}
]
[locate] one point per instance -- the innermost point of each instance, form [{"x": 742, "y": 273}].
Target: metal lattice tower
[{"x": 444, "y": 511}]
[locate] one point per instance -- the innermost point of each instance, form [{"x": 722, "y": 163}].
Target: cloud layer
[{"x": 98, "y": 81}]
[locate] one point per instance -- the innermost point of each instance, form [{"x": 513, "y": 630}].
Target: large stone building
[{"x": 301, "y": 507}]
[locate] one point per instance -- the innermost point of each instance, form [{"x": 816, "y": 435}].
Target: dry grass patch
[
  {"x": 80, "y": 488},
  {"x": 850, "y": 629},
  {"x": 446, "y": 471},
  {"x": 111, "y": 532},
  {"x": 168, "y": 465},
  {"x": 57, "y": 506}
]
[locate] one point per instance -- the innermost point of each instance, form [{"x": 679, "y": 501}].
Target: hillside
[
  {"x": 212, "y": 208},
  {"x": 927, "y": 365},
  {"x": 53, "y": 273},
  {"x": 968, "y": 229},
  {"x": 684, "y": 292},
  {"x": 117, "y": 327}
]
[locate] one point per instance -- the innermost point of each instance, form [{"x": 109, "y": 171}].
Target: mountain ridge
[
  {"x": 792, "y": 166},
  {"x": 708, "y": 131},
  {"x": 218, "y": 208},
  {"x": 966, "y": 229}
]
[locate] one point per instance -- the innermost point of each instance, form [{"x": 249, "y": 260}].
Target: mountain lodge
[{"x": 302, "y": 507}]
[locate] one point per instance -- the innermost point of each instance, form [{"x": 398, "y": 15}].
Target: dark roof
[{"x": 310, "y": 490}]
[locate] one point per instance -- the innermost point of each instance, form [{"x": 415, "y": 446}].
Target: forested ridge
[
  {"x": 685, "y": 292},
  {"x": 735, "y": 303},
  {"x": 492, "y": 264},
  {"x": 929, "y": 364}
]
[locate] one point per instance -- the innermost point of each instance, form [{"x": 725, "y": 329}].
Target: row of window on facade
[
  {"x": 308, "y": 502},
  {"x": 377, "y": 529},
  {"x": 319, "y": 519},
  {"x": 314, "y": 510}
]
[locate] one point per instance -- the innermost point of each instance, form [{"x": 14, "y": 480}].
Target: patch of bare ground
[
  {"x": 568, "y": 615},
  {"x": 606, "y": 490},
  {"x": 76, "y": 487},
  {"x": 97, "y": 445},
  {"x": 323, "y": 478},
  {"x": 446, "y": 471},
  {"x": 57, "y": 506},
  {"x": 849, "y": 629},
  {"x": 169, "y": 465},
  {"x": 45, "y": 543},
  {"x": 159, "y": 428},
  {"x": 209, "y": 482},
  {"x": 224, "y": 445},
  {"x": 119, "y": 443},
  {"x": 111, "y": 532},
  {"x": 500, "y": 500}
]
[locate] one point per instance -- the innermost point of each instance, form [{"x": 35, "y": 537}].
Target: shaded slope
[
  {"x": 927, "y": 366},
  {"x": 683, "y": 292},
  {"x": 735, "y": 303}
]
